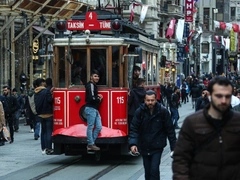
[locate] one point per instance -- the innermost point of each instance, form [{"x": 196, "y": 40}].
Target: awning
[
  {"x": 40, "y": 29},
  {"x": 60, "y": 9}
]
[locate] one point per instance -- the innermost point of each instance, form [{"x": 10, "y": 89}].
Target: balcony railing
[
  {"x": 7, "y": 2},
  {"x": 174, "y": 9}
]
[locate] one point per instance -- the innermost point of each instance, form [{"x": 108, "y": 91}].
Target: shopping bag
[{"x": 6, "y": 134}]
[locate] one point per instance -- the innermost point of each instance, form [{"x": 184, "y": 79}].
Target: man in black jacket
[
  {"x": 150, "y": 127},
  {"x": 10, "y": 106},
  {"x": 93, "y": 100},
  {"x": 136, "y": 97}
]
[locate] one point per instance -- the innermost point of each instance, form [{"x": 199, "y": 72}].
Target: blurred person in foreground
[
  {"x": 149, "y": 130},
  {"x": 2, "y": 124},
  {"x": 208, "y": 143}
]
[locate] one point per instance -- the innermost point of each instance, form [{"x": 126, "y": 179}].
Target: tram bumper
[{"x": 73, "y": 140}]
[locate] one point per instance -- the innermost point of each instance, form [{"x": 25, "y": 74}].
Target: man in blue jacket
[{"x": 149, "y": 130}]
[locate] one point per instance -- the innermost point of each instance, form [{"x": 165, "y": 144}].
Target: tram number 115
[{"x": 120, "y": 100}]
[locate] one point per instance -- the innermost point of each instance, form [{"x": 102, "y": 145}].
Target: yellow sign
[
  {"x": 35, "y": 48},
  {"x": 232, "y": 41}
]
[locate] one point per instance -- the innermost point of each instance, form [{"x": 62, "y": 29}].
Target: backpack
[{"x": 32, "y": 104}]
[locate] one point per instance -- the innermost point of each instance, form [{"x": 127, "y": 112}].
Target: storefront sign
[{"x": 189, "y": 10}]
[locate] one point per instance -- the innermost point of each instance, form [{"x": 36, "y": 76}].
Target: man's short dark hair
[
  {"x": 151, "y": 92},
  {"x": 94, "y": 72},
  {"x": 6, "y": 87},
  {"x": 136, "y": 68},
  {"x": 39, "y": 81},
  {"x": 140, "y": 81},
  {"x": 14, "y": 90},
  {"x": 220, "y": 80}
]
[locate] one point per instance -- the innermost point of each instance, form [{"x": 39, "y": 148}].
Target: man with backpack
[
  {"x": 31, "y": 112},
  {"x": 149, "y": 130}
]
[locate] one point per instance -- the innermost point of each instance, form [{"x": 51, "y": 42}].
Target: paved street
[{"x": 25, "y": 151}]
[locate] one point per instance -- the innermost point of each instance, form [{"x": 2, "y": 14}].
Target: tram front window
[
  {"x": 79, "y": 67},
  {"x": 98, "y": 62}
]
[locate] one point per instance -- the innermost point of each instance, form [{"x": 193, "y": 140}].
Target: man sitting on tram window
[
  {"x": 115, "y": 73},
  {"x": 136, "y": 74},
  {"x": 93, "y": 100}
]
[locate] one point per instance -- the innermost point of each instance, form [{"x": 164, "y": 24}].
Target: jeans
[
  {"x": 174, "y": 115},
  {"x": 151, "y": 165},
  {"x": 16, "y": 119},
  {"x": 93, "y": 118},
  {"x": 46, "y": 132},
  {"x": 36, "y": 129}
]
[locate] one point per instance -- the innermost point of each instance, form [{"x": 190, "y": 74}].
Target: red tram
[{"x": 91, "y": 42}]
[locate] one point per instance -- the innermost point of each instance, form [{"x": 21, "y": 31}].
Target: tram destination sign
[{"x": 91, "y": 23}]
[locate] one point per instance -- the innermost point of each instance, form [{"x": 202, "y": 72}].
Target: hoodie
[
  {"x": 43, "y": 101},
  {"x": 136, "y": 98}
]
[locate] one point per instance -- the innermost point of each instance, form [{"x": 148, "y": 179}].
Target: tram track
[
  {"x": 109, "y": 167},
  {"x": 57, "y": 169}
]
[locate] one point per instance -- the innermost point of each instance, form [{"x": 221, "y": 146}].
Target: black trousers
[{"x": 151, "y": 165}]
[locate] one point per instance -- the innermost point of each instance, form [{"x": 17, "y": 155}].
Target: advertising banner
[{"x": 189, "y": 10}]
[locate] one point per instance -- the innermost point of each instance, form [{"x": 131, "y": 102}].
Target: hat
[{"x": 39, "y": 81}]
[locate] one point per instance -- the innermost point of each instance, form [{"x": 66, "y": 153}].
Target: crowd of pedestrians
[
  {"x": 36, "y": 106},
  {"x": 215, "y": 100}
]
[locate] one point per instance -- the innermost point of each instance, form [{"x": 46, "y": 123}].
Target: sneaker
[
  {"x": 31, "y": 131},
  {"x": 44, "y": 152},
  {"x": 93, "y": 148},
  {"x": 49, "y": 151}
]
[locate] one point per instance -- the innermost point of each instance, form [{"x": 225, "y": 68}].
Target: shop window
[
  {"x": 206, "y": 17},
  {"x": 205, "y": 47}
]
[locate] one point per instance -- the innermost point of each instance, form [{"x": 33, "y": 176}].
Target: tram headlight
[
  {"x": 61, "y": 26},
  {"x": 116, "y": 25}
]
